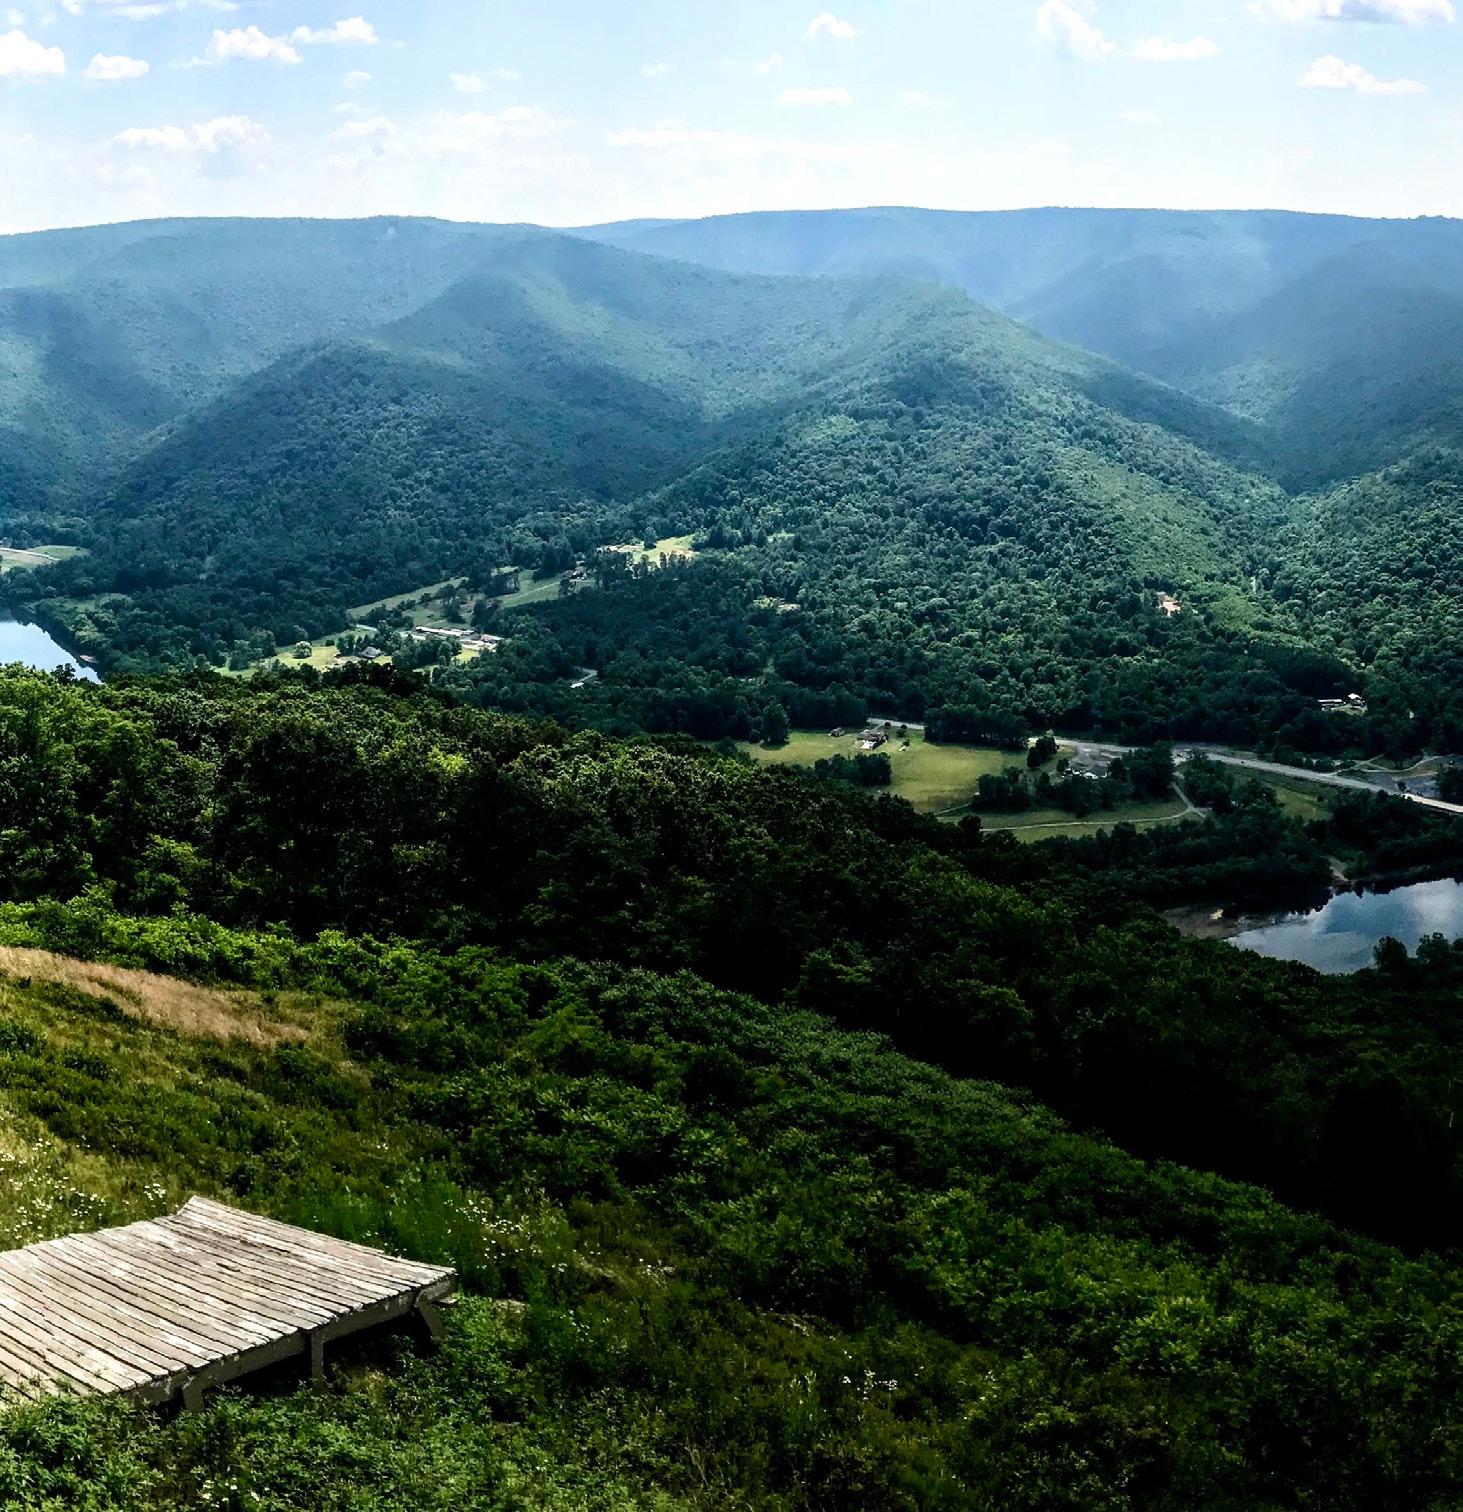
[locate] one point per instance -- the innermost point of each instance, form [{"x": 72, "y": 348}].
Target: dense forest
[
  {"x": 793, "y": 1149},
  {"x": 898, "y": 499},
  {"x": 409, "y": 875}
]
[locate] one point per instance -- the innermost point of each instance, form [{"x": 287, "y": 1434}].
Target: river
[
  {"x": 21, "y": 642},
  {"x": 1341, "y": 935}
]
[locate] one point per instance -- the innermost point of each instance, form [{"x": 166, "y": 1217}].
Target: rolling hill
[
  {"x": 1338, "y": 334},
  {"x": 880, "y": 416},
  {"x": 567, "y": 392}
]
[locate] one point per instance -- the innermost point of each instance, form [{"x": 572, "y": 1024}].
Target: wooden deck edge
[{"x": 309, "y": 1342}]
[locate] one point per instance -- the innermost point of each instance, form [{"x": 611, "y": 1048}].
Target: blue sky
[{"x": 573, "y": 111}]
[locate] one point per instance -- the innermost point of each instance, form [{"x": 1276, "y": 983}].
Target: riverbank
[
  {"x": 1338, "y": 932},
  {"x": 33, "y": 645}
]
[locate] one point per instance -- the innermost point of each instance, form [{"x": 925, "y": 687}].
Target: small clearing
[
  {"x": 168, "y": 1002},
  {"x": 12, "y": 557},
  {"x": 932, "y": 777},
  {"x": 1050, "y": 824}
]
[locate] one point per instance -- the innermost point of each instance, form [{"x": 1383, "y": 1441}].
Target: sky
[{"x": 570, "y": 112}]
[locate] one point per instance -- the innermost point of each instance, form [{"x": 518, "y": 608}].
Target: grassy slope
[
  {"x": 931, "y": 777},
  {"x": 693, "y": 1321}
]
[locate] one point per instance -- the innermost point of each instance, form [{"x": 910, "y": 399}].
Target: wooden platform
[{"x": 191, "y": 1300}]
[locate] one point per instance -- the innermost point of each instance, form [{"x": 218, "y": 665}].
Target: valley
[
  {"x": 656, "y": 765},
  {"x": 967, "y": 515}
]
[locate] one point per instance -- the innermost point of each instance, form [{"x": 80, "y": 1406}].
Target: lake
[
  {"x": 1341, "y": 935},
  {"x": 30, "y": 644}
]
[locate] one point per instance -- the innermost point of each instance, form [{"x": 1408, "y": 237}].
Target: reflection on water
[
  {"x": 31, "y": 645},
  {"x": 1342, "y": 935}
]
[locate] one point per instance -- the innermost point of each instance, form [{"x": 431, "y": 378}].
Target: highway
[{"x": 1253, "y": 763}]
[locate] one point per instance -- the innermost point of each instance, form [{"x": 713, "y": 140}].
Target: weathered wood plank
[
  {"x": 205, "y": 1292},
  {"x": 67, "y": 1316},
  {"x": 114, "y": 1320},
  {"x": 166, "y": 1296},
  {"x": 325, "y": 1243},
  {"x": 210, "y": 1278},
  {"x": 273, "y": 1271},
  {"x": 59, "y": 1358},
  {"x": 192, "y": 1300},
  {"x": 372, "y": 1264},
  {"x": 207, "y": 1339},
  {"x": 339, "y": 1260}
]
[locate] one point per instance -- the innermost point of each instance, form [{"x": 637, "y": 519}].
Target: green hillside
[
  {"x": 1338, "y": 334},
  {"x": 1375, "y": 568},
  {"x": 836, "y": 438},
  {"x": 794, "y": 1151},
  {"x": 970, "y": 519},
  {"x": 105, "y": 333}
]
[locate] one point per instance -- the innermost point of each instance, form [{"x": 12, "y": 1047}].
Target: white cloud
[
  {"x": 762, "y": 67},
  {"x": 1065, "y": 24},
  {"x": 1070, "y": 26},
  {"x": 112, "y": 175},
  {"x": 1168, "y": 50},
  {"x": 378, "y": 128},
  {"x": 816, "y": 98},
  {"x": 1332, "y": 72},
  {"x": 20, "y": 58},
  {"x": 218, "y": 135},
  {"x": 129, "y": 10},
  {"x": 686, "y": 148},
  {"x": 472, "y": 130},
  {"x": 349, "y": 108},
  {"x": 1139, "y": 117},
  {"x": 353, "y": 32},
  {"x": 15, "y": 18},
  {"x": 1393, "y": 12},
  {"x": 467, "y": 83},
  {"x": 917, "y": 99},
  {"x": 655, "y": 70},
  {"x": 142, "y": 10},
  {"x": 113, "y": 68},
  {"x": 826, "y": 24},
  {"x": 248, "y": 44},
  {"x": 357, "y": 78}
]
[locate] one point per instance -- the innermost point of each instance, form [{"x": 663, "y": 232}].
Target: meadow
[
  {"x": 14, "y": 557},
  {"x": 931, "y": 777}
]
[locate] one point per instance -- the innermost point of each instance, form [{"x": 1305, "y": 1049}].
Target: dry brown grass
[{"x": 162, "y": 1000}]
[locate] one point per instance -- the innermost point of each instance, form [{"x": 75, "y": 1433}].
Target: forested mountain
[
  {"x": 795, "y": 1150},
  {"x": 109, "y": 331},
  {"x": 1339, "y": 334},
  {"x": 966, "y": 514}
]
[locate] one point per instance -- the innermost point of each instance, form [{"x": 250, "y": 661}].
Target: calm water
[
  {"x": 1341, "y": 935},
  {"x": 31, "y": 645}
]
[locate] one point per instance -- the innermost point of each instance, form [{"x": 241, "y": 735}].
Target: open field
[
  {"x": 931, "y": 777},
  {"x": 322, "y": 657},
  {"x": 531, "y": 592},
  {"x": 1049, "y": 824},
  {"x": 1300, "y": 800},
  {"x": 637, "y": 551},
  {"x": 365, "y": 611},
  {"x": 12, "y": 557}
]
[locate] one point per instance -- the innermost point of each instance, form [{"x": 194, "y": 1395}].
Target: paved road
[
  {"x": 1327, "y": 779},
  {"x": 1271, "y": 768}
]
